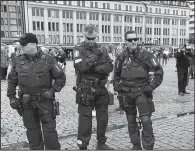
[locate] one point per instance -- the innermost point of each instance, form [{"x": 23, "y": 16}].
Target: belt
[
  {"x": 93, "y": 81},
  {"x": 137, "y": 89}
]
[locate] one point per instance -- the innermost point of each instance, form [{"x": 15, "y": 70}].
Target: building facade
[
  {"x": 62, "y": 22},
  {"x": 12, "y": 21},
  {"x": 192, "y": 22}
]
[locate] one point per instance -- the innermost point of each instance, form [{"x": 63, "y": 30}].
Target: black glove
[
  {"x": 48, "y": 94},
  {"x": 148, "y": 90},
  {"x": 14, "y": 103},
  {"x": 92, "y": 59},
  {"x": 98, "y": 52}
]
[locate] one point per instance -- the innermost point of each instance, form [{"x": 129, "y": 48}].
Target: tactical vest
[
  {"x": 132, "y": 70},
  {"x": 33, "y": 75}
]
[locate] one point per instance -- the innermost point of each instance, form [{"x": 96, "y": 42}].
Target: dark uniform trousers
[
  {"x": 140, "y": 100},
  {"x": 85, "y": 118},
  {"x": 37, "y": 113},
  {"x": 182, "y": 78}
]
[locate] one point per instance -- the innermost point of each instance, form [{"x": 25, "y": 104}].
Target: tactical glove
[
  {"x": 48, "y": 94},
  {"x": 148, "y": 90},
  {"x": 14, "y": 103},
  {"x": 92, "y": 59},
  {"x": 98, "y": 52}
]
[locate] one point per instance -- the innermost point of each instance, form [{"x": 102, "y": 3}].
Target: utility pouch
[
  {"x": 57, "y": 107},
  {"x": 124, "y": 89},
  {"x": 121, "y": 103},
  {"x": 151, "y": 105},
  {"x": 111, "y": 98},
  {"x": 26, "y": 99}
]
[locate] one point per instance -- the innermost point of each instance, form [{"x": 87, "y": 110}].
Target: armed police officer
[
  {"x": 132, "y": 82},
  {"x": 33, "y": 71},
  {"x": 93, "y": 66}
]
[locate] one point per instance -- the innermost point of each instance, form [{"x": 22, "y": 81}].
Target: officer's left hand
[
  {"x": 48, "y": 94},
  {"x": 148, "y": 90}
]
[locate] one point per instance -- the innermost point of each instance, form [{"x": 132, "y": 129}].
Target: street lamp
[{"x": 145, "y": 3}]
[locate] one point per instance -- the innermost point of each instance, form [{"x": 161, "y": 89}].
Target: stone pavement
[{"x": 171, "y": 132}]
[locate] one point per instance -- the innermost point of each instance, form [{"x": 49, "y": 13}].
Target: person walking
[
  {"x": 134, "y": 87},
  {"x": 182, "y": 64},
  {"x": 33, "y": 71},
  {"x": 93, "y": 66},
  {"x": 4, "y": 62}
]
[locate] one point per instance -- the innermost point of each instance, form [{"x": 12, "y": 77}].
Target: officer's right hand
[
  {"x": 14, "y": 103},
  {"x": 93, "y": 57}
]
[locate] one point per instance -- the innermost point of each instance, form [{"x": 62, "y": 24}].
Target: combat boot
[
  {"x": 82, "y": 148},
  {"x": 103, "y": 146},
  {"x": 137, "y": 147}
]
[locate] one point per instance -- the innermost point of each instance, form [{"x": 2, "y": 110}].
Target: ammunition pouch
[
  {"x": 151, "y": 104},
  {"x": 56, "y": 110},
  {"x": 122, "y": 101}
]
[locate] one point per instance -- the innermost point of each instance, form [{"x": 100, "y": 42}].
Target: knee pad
[{"x": 146, "y": 121}]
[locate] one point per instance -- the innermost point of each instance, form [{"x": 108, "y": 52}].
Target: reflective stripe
[
  {"x": 154, "y": 62},
  {"x": 78, "y": 60}
]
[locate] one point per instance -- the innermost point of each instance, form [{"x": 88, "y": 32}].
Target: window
[
  {"x": 115, "y": 6},
  {"x": 70, "y": 3},
  {"x": 13, "y": 21},
  {"x": 83, "y": 3},
  {"x": 2, "y": 34},
  {"x": 67, "y": 27},
  {"x": 49, "y": 26},
  {"x": 173, "y": 12},
  {"x": 78, "y": 3},
  {"x": 64, "y": 2},
  {"x": 14, "y": 34},
  {"x": 176, "y": 12},
  {"x": 104, "y": 5},
  {"x": 43, "y": 39},
  {"x": 130, "y": 8},
  {"x": 33, "y": 11},
  {"x": 71, "y": 14},
  {"x": 136, "y": 8},
  {"x": 156, "y": 10},
  {"x": 184, "y": 13},
  {"x": 96, "y": 5},
  {"x": 19, "y": 22},
  {"x": 81, "y": 28},
  {"x": 57, "y": 39},
  {"x": 38, "y": 25},
  {"x": 2, "y": 21},
  {"x": 127, "y": 7},
  {"x": 42, "y": 13},
  {"x": 71, "y": 27},
  {"x": 57, "y": 26},
  {"x": 150, "y": 10},
  {"x": 42, "y": 26},
  {"x": 49, "y": 13},
  {"x": 141, "y": 9},
  {"x": 12, "y": 9},
  {"x": 67, "y": 14},
  {"x": 108, "y": 6},
  {"x": 119, "y": 7},
  {"x": 53, "y": 26},
  {"x": 91, "y": 4},
  {"x": 159, "y": 11},
  {"x": 37, "y": 12}
]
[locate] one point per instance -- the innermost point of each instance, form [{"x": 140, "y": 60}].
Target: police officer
[
  {"x": 93, "y": 66},
  {"x": 182, "y": 64},
  {"x": 132, "y": 82},
  {"x": 33, "y": 71}
]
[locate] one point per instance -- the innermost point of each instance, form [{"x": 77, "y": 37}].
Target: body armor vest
[{"x": 33, "y": 74}]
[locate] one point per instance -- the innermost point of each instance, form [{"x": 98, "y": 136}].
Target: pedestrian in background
[
  {"x": 182, "y": 64},
  {"x": 192, "y": 64},
  {"x": 61, "y": 58},
  {"x": 134, "y": 87},
  {"x": 4, "y": 62},
  {"x": 33, "y": 71},
  {"x": 164, "y": 60},
  {"x": 93, "y": 66}
]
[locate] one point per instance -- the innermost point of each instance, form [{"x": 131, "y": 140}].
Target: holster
[
  {"x": 122, "y": 101},
  {"x": 111, "y": 98}
]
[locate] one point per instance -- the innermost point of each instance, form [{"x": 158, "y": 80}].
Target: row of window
[
  {"x": 117, "y": 29},
  {"x": 80, "y": 27},
  {"x": 106, "y": 29},
  {"x": 117, "y": 39},
  {"x": 52, "y": 26},
  {"x": 38, "y": 25},
  {"x": 12, "y": 21},
  {"x": 12, "y": 9},
  {"x": 182, "y": 32},
  {"x": 127, "y": 28},
  {"x": 128, "y": 18},
  {"x": 37, "y": 11},
  {"x": 13, "y": 34},
  {"x": 148, "y": 20},
  {"x": 183, "y": 22},
  {"x": 165, "y": 41},
  {"x": 68, "y": 27},
  {"x": 93, "y": 16},
  {"x": 105, "y": 17},
  {"x": 157, "y": 20},
  {"x": 54, "y": 39},
  {"x": 138, "y": 30},
  {"x": 81, "y": 15},
  {"x": 157, "y": 31},
  {"x": 166, "y": 31},
  {"x": 41, "y": 39},
  {"x": 148, "y": 31},
  {"x": 68, "y": 39}
]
